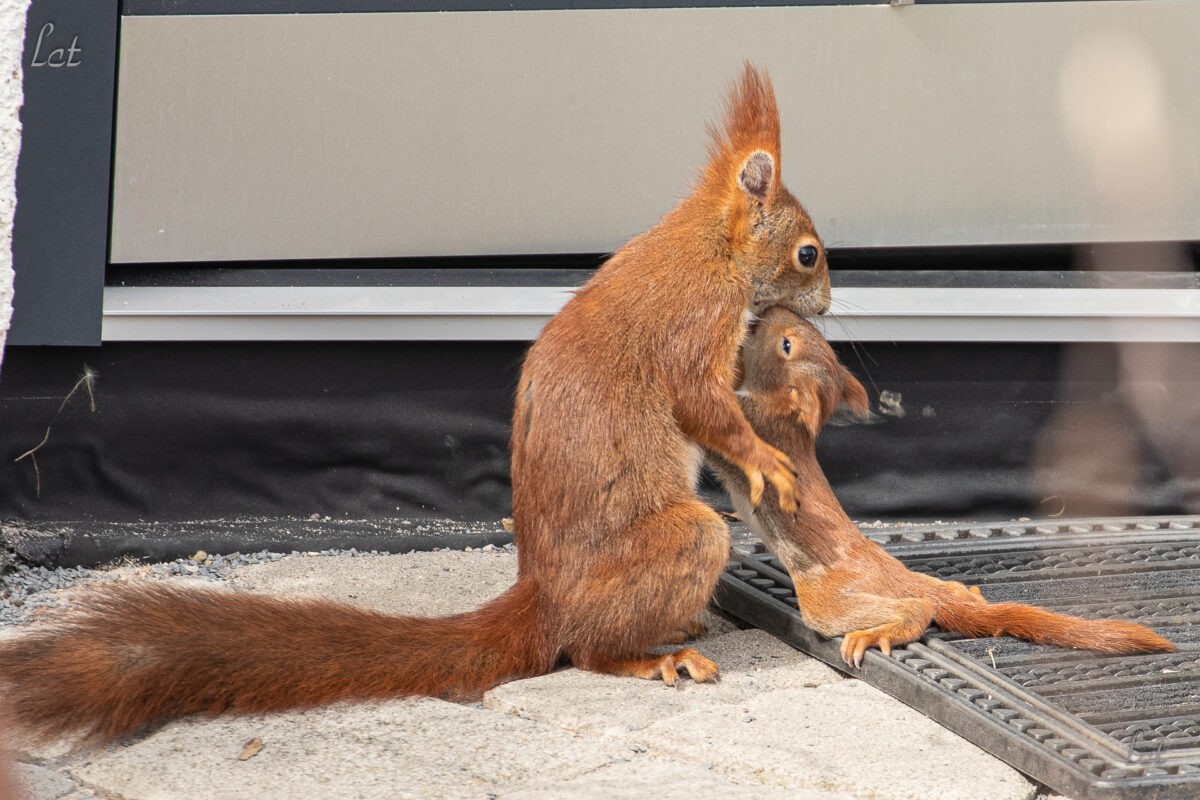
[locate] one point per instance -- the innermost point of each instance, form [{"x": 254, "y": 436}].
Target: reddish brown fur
[
  {"x": 8, "y": 784},
  {"x": 615, "y": 550},
  {"x": 8, "y": 787},
  {"x": 140, "y": 653},
  {"x": 845, "y": 583}
]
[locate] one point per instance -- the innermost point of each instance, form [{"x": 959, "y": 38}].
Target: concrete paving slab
[
  {"x": 843, "y": 737},
  {"x": 426, "y": 583},
  {"x": 407, "y": 748},
  {"x": 751, "y": 662},
  {"x": 645, "y": 776},
  {"x": 778, "y": 723},
  {"x": 36, "y": 782}
]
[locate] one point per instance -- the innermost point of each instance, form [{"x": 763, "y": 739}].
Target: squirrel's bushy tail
[
  {"x": 1038, "y": 625},
  {"x": 141, "y": 654}
]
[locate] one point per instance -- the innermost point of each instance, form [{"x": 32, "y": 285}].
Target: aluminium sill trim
[{"x": 508, "y": 313}]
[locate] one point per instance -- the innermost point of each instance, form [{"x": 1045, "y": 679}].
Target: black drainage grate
[{"x": 1088, "y": 725}]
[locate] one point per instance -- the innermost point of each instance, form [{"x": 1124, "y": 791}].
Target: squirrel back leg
[
  {"x": 863, "y": 620},
  {"x": 686, "y": 632},
  {"x": 626, "y": 605},
  {"x": 663, "y": 666},
  {"x": 911, "y": 616}
]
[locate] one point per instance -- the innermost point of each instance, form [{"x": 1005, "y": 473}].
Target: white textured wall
[{"x": 12, "y": 34}]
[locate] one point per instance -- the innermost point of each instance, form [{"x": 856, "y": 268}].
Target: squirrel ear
[
  {"x": 854, "y": 395},
  {"x": 757, "y": 173}
]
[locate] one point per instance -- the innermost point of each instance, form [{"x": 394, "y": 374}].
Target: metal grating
[{"x": 1087, "y": 725}]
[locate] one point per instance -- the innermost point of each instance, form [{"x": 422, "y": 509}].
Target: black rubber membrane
[
  {"x": 1085, "y": 724},
  {"x": 92, "y": 544}
]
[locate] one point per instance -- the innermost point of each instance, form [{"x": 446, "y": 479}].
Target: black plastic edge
[
  {"x": 60, "y": 226},
  {"x": 87, "y": 545}
]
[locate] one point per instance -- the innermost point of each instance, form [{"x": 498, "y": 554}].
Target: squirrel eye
[
  {"x": 787, "y": 346},
  {"x": 807, "y": 255}
]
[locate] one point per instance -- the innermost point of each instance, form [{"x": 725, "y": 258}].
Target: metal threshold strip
[
  {"x": 517, "y": 313},
  {"x": 1086, "y": 724}
]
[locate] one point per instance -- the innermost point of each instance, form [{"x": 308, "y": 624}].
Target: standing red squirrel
[
  {"x": 616, "y": 400},
  {"x": 846, "y": 585}
]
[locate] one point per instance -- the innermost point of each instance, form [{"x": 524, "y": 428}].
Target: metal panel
[
  {"x": 153, "y": 7},
  {"x": 359, "y": 135},
  {"x": 517, "y": 313},
  {"x": 1102, "y": 727},
  {"x": 60, "y": 230}
]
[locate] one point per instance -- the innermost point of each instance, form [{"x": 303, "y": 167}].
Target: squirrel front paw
[{"x": 774, "y": 466}]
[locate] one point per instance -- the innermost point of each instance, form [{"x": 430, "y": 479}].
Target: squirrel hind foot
[
  {"x": 663, "y": 667},
  {"x": 893, "y": 634},
  {"x": 699, "y": 668},
  {"x": 856, "y": 643},
  {"x": 690, "y": 630}
]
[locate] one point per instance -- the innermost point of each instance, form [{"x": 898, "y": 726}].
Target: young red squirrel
[
  {"x": 846, "y": 585},
  {"x": 616, "y": 400}
]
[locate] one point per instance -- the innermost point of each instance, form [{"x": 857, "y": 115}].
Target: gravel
[
  {"x": 23, "y": 592},
  {"x": 27, "y": 592}
]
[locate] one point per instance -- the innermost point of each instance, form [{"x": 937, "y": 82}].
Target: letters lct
[{"x": 57, "y": 57}]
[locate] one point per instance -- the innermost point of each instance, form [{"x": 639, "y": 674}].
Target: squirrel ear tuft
[
  {"x": 757, "y": 173},
  {"x": 854, "y": 395}
]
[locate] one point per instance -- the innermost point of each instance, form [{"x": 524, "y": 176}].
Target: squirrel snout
[{"x": 820, "y": 298}]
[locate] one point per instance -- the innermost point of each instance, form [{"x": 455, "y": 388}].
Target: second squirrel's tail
[
  {"x": 141, "y": 654},
  {"x": 977, "y": 619}
]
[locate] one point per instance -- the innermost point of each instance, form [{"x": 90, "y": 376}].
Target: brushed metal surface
[
  {"x": 418, "y": 134},
  {"x": 518, "y": 313}
]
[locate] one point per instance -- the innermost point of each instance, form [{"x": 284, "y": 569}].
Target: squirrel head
[
  {"x": 768, "y": 234},
  {"x": 788, "y": 366}
]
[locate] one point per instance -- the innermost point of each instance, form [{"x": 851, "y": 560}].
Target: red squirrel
[
  {"x": 846, "y": 585},
  {"x": 616, "y": 399}
]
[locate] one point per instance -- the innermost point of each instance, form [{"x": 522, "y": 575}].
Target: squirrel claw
[
  {"x": 855, "y": 644},
  {"x": 787, "y": 495},
  {"x": 783, "y": 478},
  {"x": 782, "y": 474},
  {"x": 701, "y": 669},
  {"x": 668, "y": 672},
  {"x": 756, "y": 488},
  {"x": 664, "y": 667}
]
